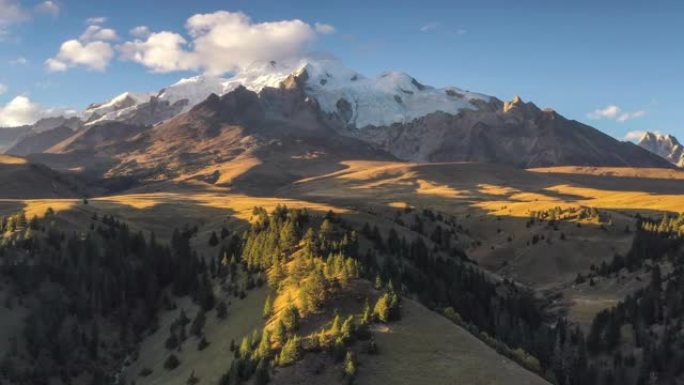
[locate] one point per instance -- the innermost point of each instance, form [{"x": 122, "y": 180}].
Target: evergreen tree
[
  {"x": 268, "y": 307},
  {"x": 171, "y": 362},
  {"x": 290, "y": 318},
  {"x": 381, "y": 311},
  {"x": 350, "y": 366},
  {"x": 264, "y": 348},
  {"x": 213, "y": 239},
  {"x": 290, "y": 352},
  {"x": 221, "y": 310},
  {"x": 279, "y": 333}
]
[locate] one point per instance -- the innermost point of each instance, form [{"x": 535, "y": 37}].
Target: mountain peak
[{"x": 665, "y": 145}]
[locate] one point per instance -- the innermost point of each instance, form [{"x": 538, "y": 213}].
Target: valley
[{"x": 302, "y": 224}]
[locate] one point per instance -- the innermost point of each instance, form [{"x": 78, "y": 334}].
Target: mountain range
[{"x": 315, "y": 106}]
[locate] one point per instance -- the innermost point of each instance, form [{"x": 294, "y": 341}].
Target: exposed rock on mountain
[
  {"x": 514, "y": 133},
  {"x": 666, "y": 146}
]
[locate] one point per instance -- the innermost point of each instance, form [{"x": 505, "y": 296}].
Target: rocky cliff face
[
  {"x": 666, "y": 146},
  {"x": 513, "y": 133}
]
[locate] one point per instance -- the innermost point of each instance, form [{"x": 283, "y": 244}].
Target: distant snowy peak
[
  {"x": 667, "y": 146},
  {"x": 113, "y": 109},
  {"x": 391, "y": 97}
]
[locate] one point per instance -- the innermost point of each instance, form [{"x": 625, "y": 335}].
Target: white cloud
[
  {"x": 625, "y": 116},
  {"x": 160, "y": 52},
  {"x": 48, "y": 7},
  {"x": 610, "y": 112},
  {"x": 91, "y": 50},
  {"x": 141, "y": 31},
  {"x": 12, "y": 12},
  {"x": 96, "y": 20},
  {"x": 19, "y": 111},
  {"x": 431, "y": 26},
  {"x": 94, "y": 55},
  {"x": 323, "y": 28},
  {"x": 3, "y": 88},
  {"x": 222, "y": 42},
  {"x": 614, "y": 112},
  {"x": 96, "y": 32},
  {"x": 19, "y": 61}
]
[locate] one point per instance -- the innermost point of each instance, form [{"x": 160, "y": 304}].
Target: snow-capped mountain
[
  {"x": 667, "y": 146},
  {"x": 391, "y": 115},
  {"x": 391, "y": 97}
]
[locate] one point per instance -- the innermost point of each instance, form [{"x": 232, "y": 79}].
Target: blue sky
[{"x": 616, "y": 65}]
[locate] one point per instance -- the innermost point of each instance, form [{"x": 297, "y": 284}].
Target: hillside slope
[
  {"x": 22, "y": 179},
  {"x": 40, "y": 142}
]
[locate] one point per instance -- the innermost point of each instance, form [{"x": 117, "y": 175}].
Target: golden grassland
[
  {"x": 492, "y": 201},
  {"x": 9, "y": 159}
]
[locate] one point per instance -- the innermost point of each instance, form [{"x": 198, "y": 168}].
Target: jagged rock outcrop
[{"x": 666, "y": 146}]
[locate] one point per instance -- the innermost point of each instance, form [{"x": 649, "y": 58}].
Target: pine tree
[
  {"x": 261, "y": 375},
  {"x": 268, "y": 307},
  {"x": 198, "y": 323},
  {"x": 335, "y": 327},
  {"x": 350, "y": 366},
  {"x": 290, "y": 352},
  {"x": 381, "y": 311},
  {"x": 279, "y": 333},
  {"x": 347, "y": 329},
  {"x": 288, "y": 235},
  {"x": 245, "y": 347},
  {"x": 221, "y": 310},
  {"x": 326, "y": 229},
  {"x": 171, "y": 362},
  {"x": 367, "y": 314},
  {"x": 290, "y": 318},
  {"x": 264, "y": 348},
  {"x": 213, "y": 239}
]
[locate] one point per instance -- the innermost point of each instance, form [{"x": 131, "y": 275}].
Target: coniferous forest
[{"x": 93, "y": 295}]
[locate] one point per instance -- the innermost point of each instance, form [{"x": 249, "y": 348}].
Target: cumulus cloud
[
  {"x": 21, "y": 110},
  {"x": 141, "y": 31},
  {"x": 91, "y": 50},
  {"x": 94, "y": 55},
  {"x": 48, "y": 7},
  {"x": 160, "y": 52},
  {"x": 221, "y": 42},
  {"x": 613, "y": 112},
  {"x": 96, "y": 32},
  {"x": 3, "y": 88}
]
